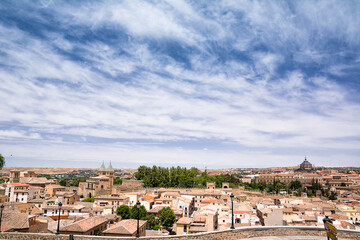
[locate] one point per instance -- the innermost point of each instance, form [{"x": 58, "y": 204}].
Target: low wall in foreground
[{"x": 238, "y": 233}]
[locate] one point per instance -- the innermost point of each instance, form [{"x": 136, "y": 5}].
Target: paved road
[{"x": 291, "y": 238}]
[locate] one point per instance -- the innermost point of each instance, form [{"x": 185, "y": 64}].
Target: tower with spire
[
  {"x": 98, "y": 185},
  {"x": 108, "y": 172}
]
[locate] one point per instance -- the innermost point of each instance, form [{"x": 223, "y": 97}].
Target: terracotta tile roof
[
  {"x": 199, "y": 218},
  {"x": 345, "y": 224},
  {"x": 338, "y": 216},
  {"x": 64, "y": 207},
  {"x": 37, "y": 180},
  {"x": 156, "y": 209},
  {"x": 184, "y": 220},
  {"x": 288, "y": 210},
  {"x": 148, "y": 197},
  {"x": 208, "y": 200},
  {"x": 240, "y": 212},
  {"x": 52, "y": 226},
  {"x": 13, "y": 218},
  {"x": 125, "y": 227},
  {"x": 5, "y": 228},
  {"x": 84, "y": 225},
  {"x": 19, "y": 185}
]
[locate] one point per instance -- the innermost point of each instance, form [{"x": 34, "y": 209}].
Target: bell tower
[{"x": 14, "y": 176}]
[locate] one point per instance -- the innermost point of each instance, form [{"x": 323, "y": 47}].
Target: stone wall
[{"x": 239, "y": 233}]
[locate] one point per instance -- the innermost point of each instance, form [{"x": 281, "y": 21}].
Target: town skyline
[{"x": 179, "y": 200}]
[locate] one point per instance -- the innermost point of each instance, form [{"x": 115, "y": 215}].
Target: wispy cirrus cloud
[{"x": 249, "y": 81}]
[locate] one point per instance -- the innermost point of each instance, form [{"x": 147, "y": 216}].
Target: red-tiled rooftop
[
  {"x": 84, "y": 225},
  {"x": 240, "y": 212},
  {"x": 19, "y": 185},
  {"x": 208, "y": 200},
  {"x": 185, "y": 220},
  {"x": 126, "y": 227}
]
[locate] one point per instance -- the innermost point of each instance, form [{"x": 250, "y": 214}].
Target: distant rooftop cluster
[{"x": 304, "y": 197}]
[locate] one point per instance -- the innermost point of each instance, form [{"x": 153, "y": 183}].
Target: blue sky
[{"x": 191, "y": 83}]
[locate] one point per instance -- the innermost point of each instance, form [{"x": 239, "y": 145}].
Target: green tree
[
  {"x": 89, "y": 199},
  {"x": 2, "y": 161},
  {"x": 299, "y": 192},
  {"x": 156, "y": 227},
  {"x": 152, "y": 222},
  {"x": 117, "y": 181},
  {"x": 333, "y": 196},
  {"x": 167, "y": 217},
  {"x": 123, "y": 211},
  {"x": 261, "y": 186},
  {"x": 294, "y": 185},
  {"x": 62, "y": 182},
  {"x": 134, "y": 211},
  {"x": 269, "y": 187}
]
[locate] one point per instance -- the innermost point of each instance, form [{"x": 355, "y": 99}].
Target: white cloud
[{"x": 131, "y": 91}]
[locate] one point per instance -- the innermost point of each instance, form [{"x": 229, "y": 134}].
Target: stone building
[
  {"x": 225, "y": 185},
  {"x": 66, "y": 198},
  {"x": 14, "y": 176},
  {"x": 210, "y": 185},
  {"x": 129, "y": 186},
  {"x": 52, "y": 189},
  {"x": 29, "y": 177},
  {"x": 99, "y": 185},
  {"x": 183, "y": 225},
  {"x": 270, "y": 216},
  {"x": 113, "y": 201},
  {"x": 269, "y": 178},
  {"x": 66, "y": 211}
]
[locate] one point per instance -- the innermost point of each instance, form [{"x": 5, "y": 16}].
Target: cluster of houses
[{"x": 35, "y": 204}]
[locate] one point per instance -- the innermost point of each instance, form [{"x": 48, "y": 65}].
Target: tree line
[
  {"x": 178, "y": 177},
  {"x": 294, "y": 187}
]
